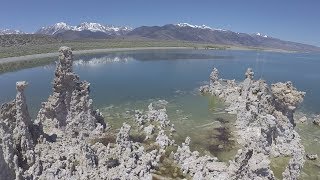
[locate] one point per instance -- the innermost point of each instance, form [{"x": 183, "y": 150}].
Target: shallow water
[
  {"x": 200, "y": 117},
  {"x": 123, "y": 81},
  {"x": 310, "y": 135}
]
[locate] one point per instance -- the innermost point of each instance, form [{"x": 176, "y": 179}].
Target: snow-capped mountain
[
  {"x": 198, "y": 26},
  {"x": 193, "y": 26},
  {"x": 262, "y": 35},
  {"x": 54, "y": 29},
  {"x": 96, "y": 27},
  {"x": 10, "y": 31},
  {"x": 85, "y": 26}
]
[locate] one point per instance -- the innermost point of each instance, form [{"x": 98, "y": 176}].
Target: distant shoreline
[{"x": 92, "y": 51}]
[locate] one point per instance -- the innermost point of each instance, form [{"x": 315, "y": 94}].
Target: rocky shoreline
[{"x": 71, "y": 140}]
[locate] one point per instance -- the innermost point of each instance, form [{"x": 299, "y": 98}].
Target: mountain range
[
  {"x": 10, "y": 31},
  {"x": 85, "y": 26},
  {"x": 180, "y": 32}
]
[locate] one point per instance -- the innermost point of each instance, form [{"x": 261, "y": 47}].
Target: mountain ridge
[
  {"x": 176, "y": 32},
  {"x": 203, "y": 33}
]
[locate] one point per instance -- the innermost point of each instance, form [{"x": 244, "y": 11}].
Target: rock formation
[
  {"x": 303, "y": 119},
  {"x": 316, "y": 120},
  {"x": 17, "y": 144},
  {"x": 63, "y": 141},
  {"x": 69, "y": 107},
  {"x": 156, "y": 120},
  {"x": 312, "y": 156},
  {"x": 264, "y": 124},
  {"x": 286, "y": 98},
  {"x": 214, "y": 77}
]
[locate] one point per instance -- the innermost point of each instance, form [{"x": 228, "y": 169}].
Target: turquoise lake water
[
  {"x": 124, "y": 81},
  {"x": 128, "y": 76}
]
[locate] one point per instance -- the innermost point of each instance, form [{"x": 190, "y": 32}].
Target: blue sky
[{"x": 294, "y": 20}]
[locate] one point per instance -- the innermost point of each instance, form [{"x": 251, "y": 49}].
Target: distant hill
[
  {"x": 26, "y": 39},
  {"x": 85, "y": 34},
  {"x": 187, "y": 32}
]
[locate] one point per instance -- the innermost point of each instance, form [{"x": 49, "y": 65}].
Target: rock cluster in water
[
  {"x": 70, "y": 140},
  {"x": 265, "y": 125}
]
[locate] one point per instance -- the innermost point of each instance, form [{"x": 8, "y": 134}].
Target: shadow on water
[
  {"x": 220, "y": 141},
  {"x": 217, "y": 141},
  {"x": 167, "y": 55}
]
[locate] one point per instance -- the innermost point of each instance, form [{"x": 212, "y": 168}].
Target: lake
[{"x": 124, "y": 81}]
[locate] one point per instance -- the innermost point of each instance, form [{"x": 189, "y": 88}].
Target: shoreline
[{"x": 92, "y": 51}]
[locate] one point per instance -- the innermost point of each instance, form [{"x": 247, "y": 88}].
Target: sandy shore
[{"x": 46, "y": 55}]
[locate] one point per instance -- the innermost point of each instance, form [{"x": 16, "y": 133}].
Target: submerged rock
[
  {"x": 163, "y": 140},
  {"x": 312, "y": 156},
  {"x": 148, "y": 131},
  {"x": 303, "y": 119},
  {"x": 316, "y": 120},
  {"x": 204, "y": 89}
]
